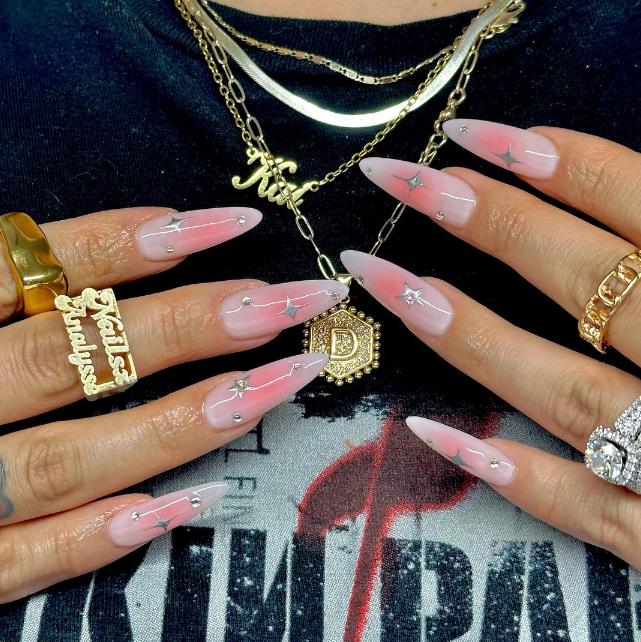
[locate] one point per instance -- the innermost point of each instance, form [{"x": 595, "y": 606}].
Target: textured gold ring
[
  {"x": 102, "y": 307},
  {"x": 38, "y": 273},
  {"x": 614, "y": 288}
]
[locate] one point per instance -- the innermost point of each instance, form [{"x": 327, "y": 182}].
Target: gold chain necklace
[
  {"x": 322, "y": 61},
  {"x": 349, "y": 338}
]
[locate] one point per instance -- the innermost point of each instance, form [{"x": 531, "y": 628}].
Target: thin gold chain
[
  {"x": 322, "y": 61},
  {"x": 252, "y": 134}
]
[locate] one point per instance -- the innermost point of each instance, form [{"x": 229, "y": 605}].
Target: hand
[
  {"x": 51, "y": 528},
  {"x": 567, "y": 393}
]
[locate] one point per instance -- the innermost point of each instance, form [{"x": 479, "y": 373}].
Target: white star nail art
[{"x": 411, "y": 296}]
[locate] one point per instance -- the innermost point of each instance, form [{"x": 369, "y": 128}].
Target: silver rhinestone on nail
[
  {"x": 494, "y": 464},
  {"x": 429, "y": 442},
  {"x": 336, "y": 296},
  {"x": 368, "y": 171},
  {"x": 464, "y": 129},
  {"x": 247, "y": 301},
  {"x": 238, "y": 417},
  {"x": 241, "y": 220},
  {"x": 195, "y": 502},
  {"x": 135, "y": 515},
  {"x": 297, "y": 366},
  {"x": 360, "y": 280},
  {"x": 440, "y": 215},
  {"x": 169, "y": 249}
]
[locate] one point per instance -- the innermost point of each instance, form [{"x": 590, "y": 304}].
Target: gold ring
[
  {"x": 102, "y": 307},
  {"x": 39, "y": 275},
  {"x": 616, "y": 286}
]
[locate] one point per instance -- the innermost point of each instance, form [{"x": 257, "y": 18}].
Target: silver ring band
[{"x": 614, "y": 454}]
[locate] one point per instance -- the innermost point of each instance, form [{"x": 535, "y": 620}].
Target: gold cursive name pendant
[{"x": 267, "y": 186}]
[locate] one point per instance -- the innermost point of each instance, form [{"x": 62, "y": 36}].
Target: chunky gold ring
[
  {"x": 616, "y": 286},
  {"x": 102, "y": 307},
  {"x": 39, "y": 275}
]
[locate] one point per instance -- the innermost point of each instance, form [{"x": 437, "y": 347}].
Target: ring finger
[{"x": 569, "y": 394}]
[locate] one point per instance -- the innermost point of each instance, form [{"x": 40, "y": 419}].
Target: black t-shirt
[{"x": 108, "y": 104}]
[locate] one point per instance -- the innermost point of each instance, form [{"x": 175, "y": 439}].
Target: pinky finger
[
  {"x": 41, "y": 552},
  {"x": 564, "y": 494}
]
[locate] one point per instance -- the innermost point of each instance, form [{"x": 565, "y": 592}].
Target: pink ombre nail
[
  {"x": 179, "y": 234},
  {"x": 251, "y": 394},
  {"x": 147, "y": 520},
  {"x": 442, "y": 196},
  {"x": 415, "y": 301},
  {"x": 520, "y": 150},
  {"x": 474, "y": 455},
  {"x": 259, "y": 311}
]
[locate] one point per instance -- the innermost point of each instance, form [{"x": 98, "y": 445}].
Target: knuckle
[
  {"x": 37, "y": 362},
  {"x": 52, "y": 464},
  {"x": 175, "y": 319},
  {"x": 614, "y": 527},
  {"x": 507, "y": 225},
  {"x": 14, "y": 566},
  {"x": 484, "y": 344},
  {"x": 576, "y": 403},
  {"x": 96, "y": 253},
  {"x": 163, "y": 429},
  {"x": 594, "y": 174}
]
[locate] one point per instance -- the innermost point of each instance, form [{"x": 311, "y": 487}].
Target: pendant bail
[{"x": 344, "y": 278}]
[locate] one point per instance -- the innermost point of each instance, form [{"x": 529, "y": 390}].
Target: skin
[
  {"x": 53, "y": 522},
  {"x": 379, "y": 12}
]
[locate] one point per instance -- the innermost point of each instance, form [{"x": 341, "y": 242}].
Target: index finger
[{"x": 114, "y": 246}]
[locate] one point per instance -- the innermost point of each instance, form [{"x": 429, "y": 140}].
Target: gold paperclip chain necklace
[
  {"x": 350, "y": 339},
  {"x": 322, "y": 61}
]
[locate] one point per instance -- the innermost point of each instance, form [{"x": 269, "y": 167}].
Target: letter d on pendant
[{"x": 343, "y": 344}]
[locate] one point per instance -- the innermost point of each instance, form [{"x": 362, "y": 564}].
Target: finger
[
  {"x": 563, "y": 256},
  {"x": 42, "y": 552},
  {"x": 58, "y": 466},
  {"x": 567, "y": 393},
  {"x": 164, "y": 329},
  {"x": 591, "y": 174},
  {"x": 106, "y": 248},
  {"x": 564, "y": 494}
]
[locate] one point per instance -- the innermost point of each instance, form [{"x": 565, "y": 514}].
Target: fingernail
[
  {"x": 522, "y": 151},
  {"x": 147, "y": 520},
  {"x": 251, "y": 394},
  {"x": 401, "y": 292},
  {"x": 474, "y": 455},
  {"x": 179, "y": 234},
  {"x": 442, "y": 196},
  {"x": 259, "y": 311}
]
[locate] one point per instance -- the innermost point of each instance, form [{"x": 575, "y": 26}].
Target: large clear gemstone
[{"x": 605, "y": 459}]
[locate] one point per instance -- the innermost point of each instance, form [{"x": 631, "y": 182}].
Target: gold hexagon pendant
[{"x": 350, "y": 339}]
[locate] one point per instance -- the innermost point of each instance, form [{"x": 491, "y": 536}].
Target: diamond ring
[{"x": 614, "y": 454}]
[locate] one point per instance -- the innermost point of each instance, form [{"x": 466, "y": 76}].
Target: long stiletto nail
[
  {"x": 251, "y": 394},
  {"x": 522, "y": 151},
  {"x": 147, "y": 520},
  {"x": 179, "y": 234},
  {"x": 474, "y": 455},
  {"x": 259, "y": 311},
  {"x": 442, "y": 196},
  {"x": 401, "y": 292}
]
